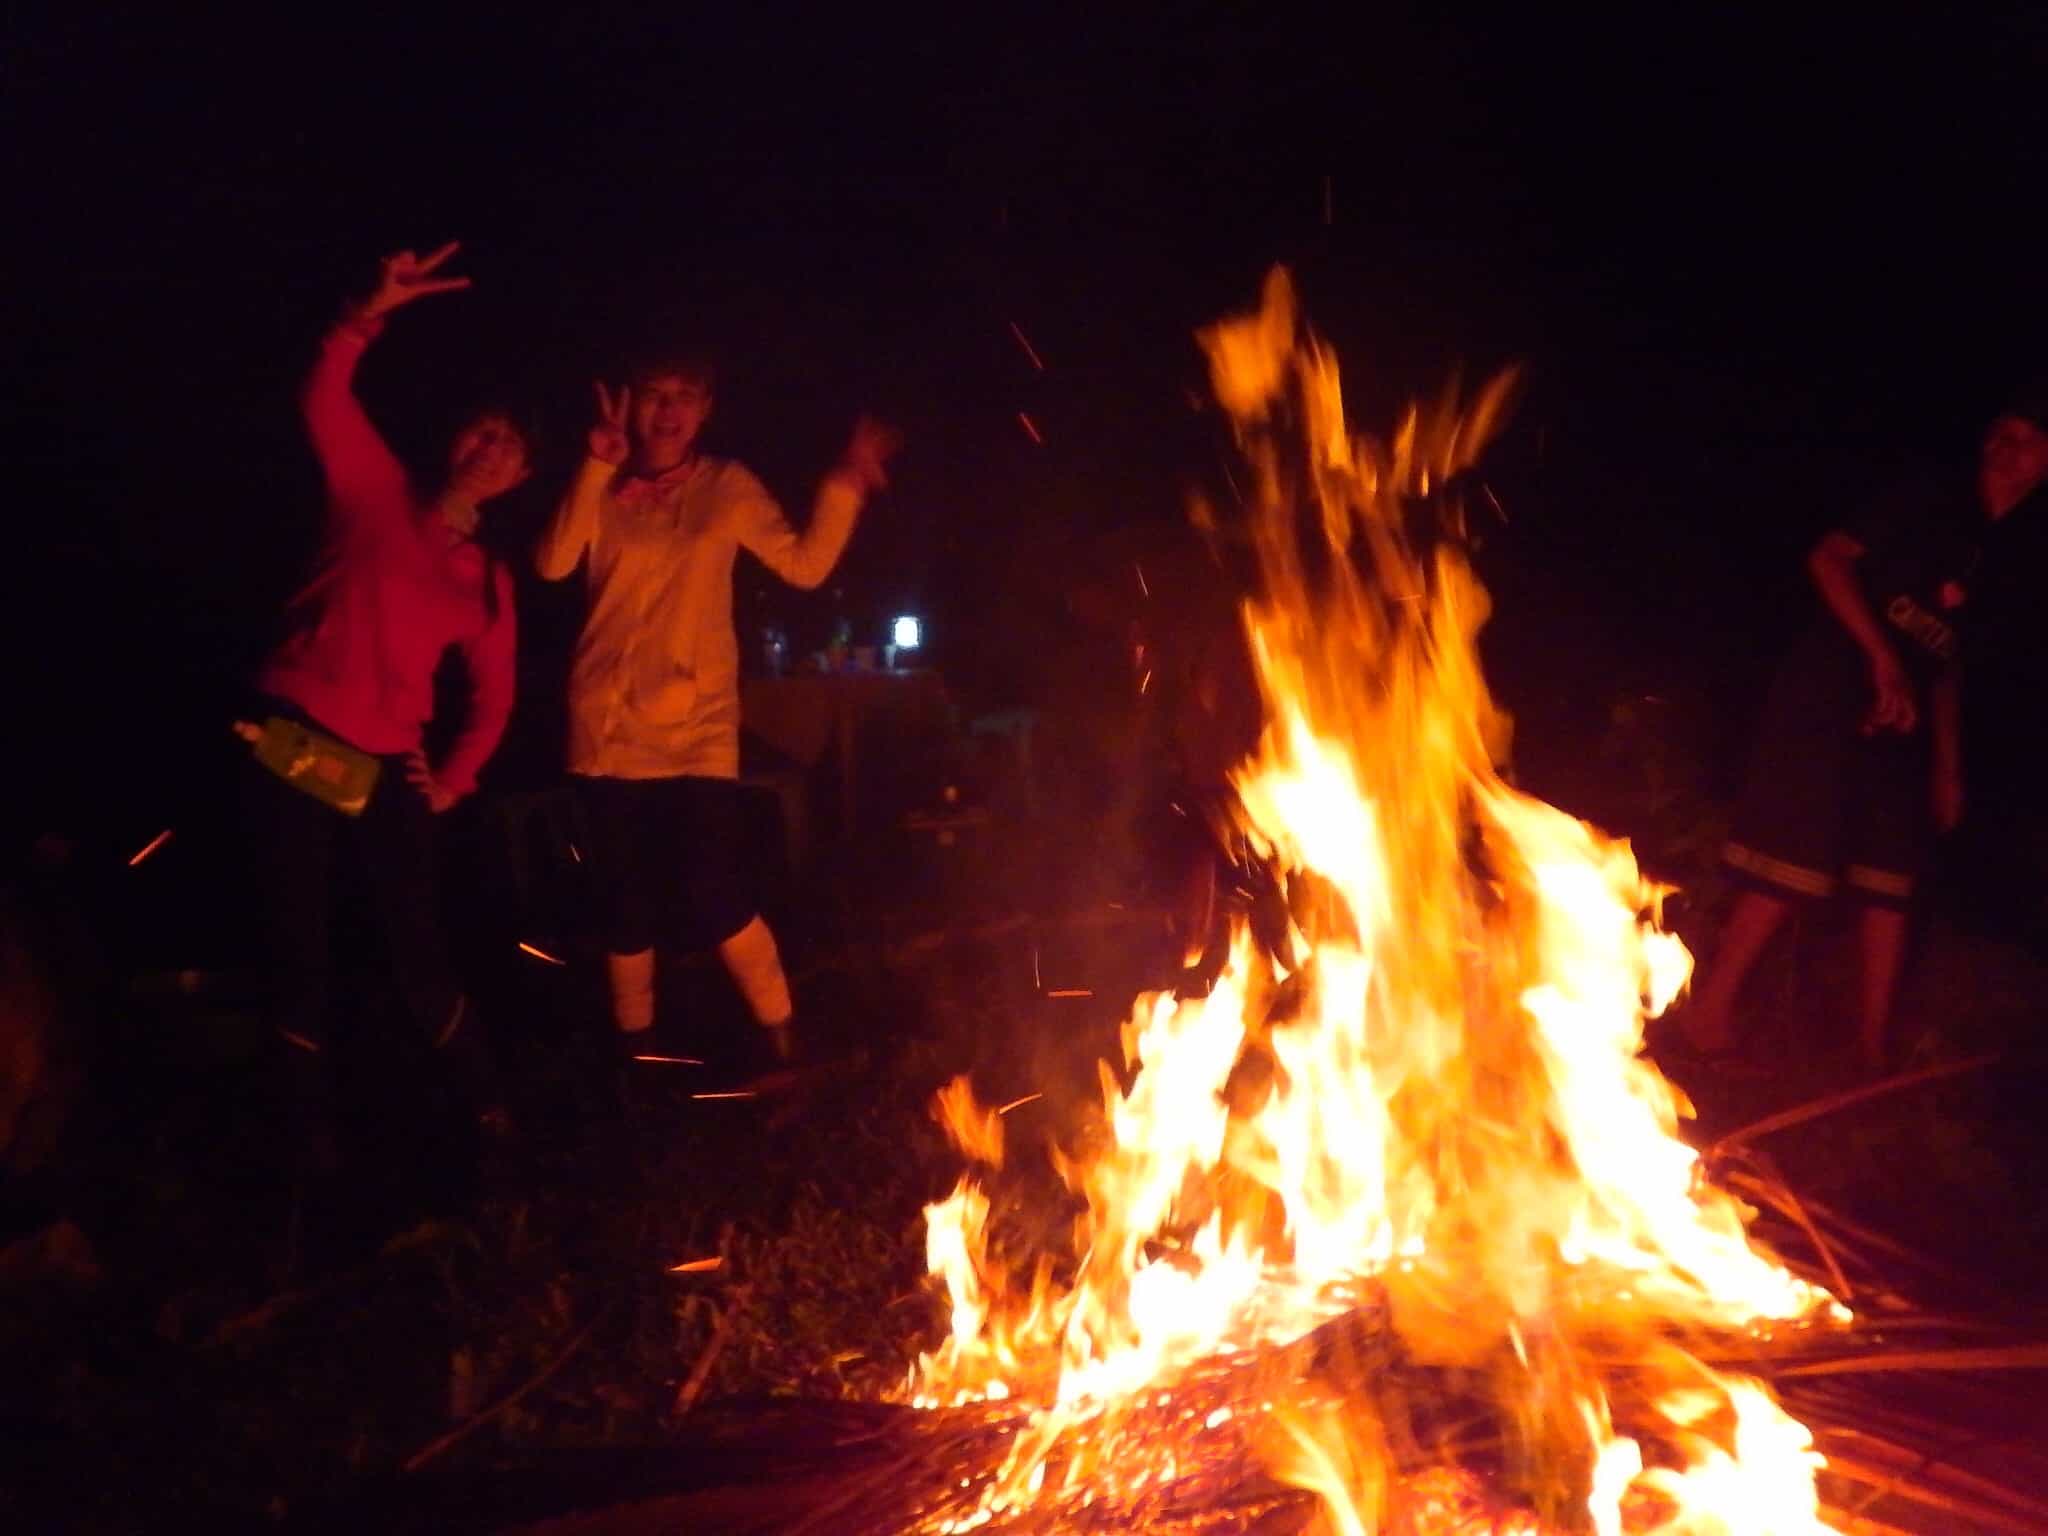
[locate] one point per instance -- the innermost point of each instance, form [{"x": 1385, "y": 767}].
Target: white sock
[{"x": 632, "y": 979}]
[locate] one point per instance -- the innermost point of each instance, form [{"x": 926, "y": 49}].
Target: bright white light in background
[{"x": 907, "y": 633}]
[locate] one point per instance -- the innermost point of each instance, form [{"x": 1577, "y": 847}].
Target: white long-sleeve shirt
[{"x": 654, "y": 689}]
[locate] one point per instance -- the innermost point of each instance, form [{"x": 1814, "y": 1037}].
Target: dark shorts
[
  {"x": 324, "y": 881},
  {"x": 1825, "y": 807},
  {"x": 668, "y": 858}
]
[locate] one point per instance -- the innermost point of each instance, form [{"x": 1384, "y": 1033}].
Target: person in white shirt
[{"x": 654, "y": 711}]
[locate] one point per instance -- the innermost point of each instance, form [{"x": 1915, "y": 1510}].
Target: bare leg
[
  {"x": 1883, "y": 934},
  {"x": 755, "y": 966},
  {"x": 1710, "y": 1020}
]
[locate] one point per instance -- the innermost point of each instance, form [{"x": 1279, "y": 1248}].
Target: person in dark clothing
[
  {"x": 2005, "y": 724},
  {"x": 1858, "y": 762},
  {"x": 339, "y": 785}
]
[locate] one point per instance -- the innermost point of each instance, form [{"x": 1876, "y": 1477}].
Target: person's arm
[
  {"x": 1832, "y": 564},
  {"x": 364, "y": 477},
  {"x": 1946, "y": 710},
  {"x": 801, "y": 559},
  {"x": 574, "y": 524},
  {"x": 806, "y": 559},
  {"x": 492, "y": 658}
]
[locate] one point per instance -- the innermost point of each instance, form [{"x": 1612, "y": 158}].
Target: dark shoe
[
  {"x": 774, "y": 1062},
  {"x": 656, "y": 1076},
  {"x": 655, "y": 1073}
]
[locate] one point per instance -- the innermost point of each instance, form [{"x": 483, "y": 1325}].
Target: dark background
[{"x": 1749, "y": 267}]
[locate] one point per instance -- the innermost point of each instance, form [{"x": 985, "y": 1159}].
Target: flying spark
[
  {"x": 1024, "y": 341},
  {"x": 151, "y": 847}
]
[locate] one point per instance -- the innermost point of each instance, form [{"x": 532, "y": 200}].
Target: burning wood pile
[{"x": 1393, "y": 1230}]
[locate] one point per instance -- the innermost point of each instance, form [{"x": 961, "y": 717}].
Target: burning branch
[{"x": 1404, "y": 1162}]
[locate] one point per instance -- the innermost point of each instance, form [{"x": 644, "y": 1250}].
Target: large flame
[{"x": 1427, "y": 1097}]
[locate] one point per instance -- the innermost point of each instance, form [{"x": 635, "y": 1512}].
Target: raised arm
[
  {"x": 574, "y": 524},
  {"x": 364, "y": 477},
  {"x": 361, "y": 471},
  {"x": 806, "y": 559}
]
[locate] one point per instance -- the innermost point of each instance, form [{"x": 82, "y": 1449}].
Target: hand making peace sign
[
  {"x": 405, "y": 277},
  {"x": 608, "y": 440}
]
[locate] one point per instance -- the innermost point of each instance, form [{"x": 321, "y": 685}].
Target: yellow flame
[{"x": 1432, "y": 1082}]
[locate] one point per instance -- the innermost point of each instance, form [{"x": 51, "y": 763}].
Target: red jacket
[{"x": 396, "y": 586}]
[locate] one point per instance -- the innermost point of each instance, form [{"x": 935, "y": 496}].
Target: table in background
[{"x": 803, "y": 715}]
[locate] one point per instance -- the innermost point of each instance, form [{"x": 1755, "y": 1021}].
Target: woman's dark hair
[{"x": 519, "y": 419}]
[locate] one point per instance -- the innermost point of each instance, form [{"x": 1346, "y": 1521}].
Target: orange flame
[
  {"x": 975, "y": 1129},
  {"x": 1430, "y": 1091}
]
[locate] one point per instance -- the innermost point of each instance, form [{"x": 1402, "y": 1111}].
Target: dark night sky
[{"x": 1744, "y": 262}]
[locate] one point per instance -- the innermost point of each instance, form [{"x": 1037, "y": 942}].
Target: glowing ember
[
  {"x": 1030, "y": 352},
  {"x": 1404, "y": 1172},
  {"x": 150, "y": 847}
]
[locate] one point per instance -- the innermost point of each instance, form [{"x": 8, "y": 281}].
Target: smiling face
[
  {"x": 668, "y": 411},
  {"x": 488, "y": 458},
  {"x": 2013, "y": 463}
]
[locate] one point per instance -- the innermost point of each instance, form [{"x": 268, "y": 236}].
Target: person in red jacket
[{"x": 400, "y": 582}]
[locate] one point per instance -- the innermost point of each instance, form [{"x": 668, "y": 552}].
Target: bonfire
[{"x": 1393, "y": 1228}]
